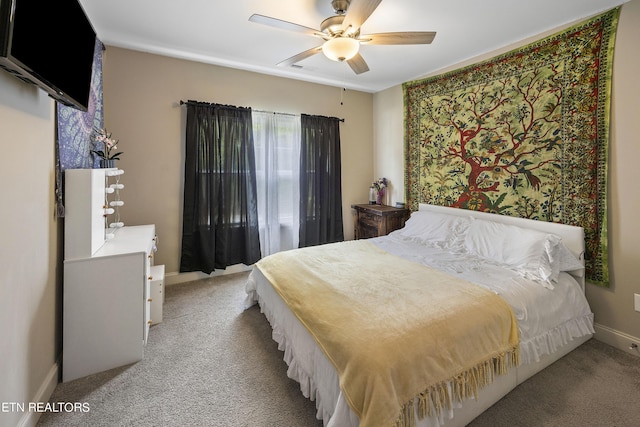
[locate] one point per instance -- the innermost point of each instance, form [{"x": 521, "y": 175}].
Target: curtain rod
[
  {"x": 288, "y": 114},
  {"x": 281, "y": 114},
  {"x": 260, "y": 111}
]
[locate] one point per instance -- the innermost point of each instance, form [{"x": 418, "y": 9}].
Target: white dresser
[{"x": 107, "y": 295}]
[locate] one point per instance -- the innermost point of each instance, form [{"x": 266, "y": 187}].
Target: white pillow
[
  {"x": 435, "y": 227},
  {"x": 567, "y": 261},
  {"x": 527, "y": 251}
]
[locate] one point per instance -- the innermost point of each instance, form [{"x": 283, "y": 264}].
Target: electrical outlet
[{"x": 636, "y": 302}]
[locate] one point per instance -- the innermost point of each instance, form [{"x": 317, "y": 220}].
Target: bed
[{"x": 525, "y": 277}]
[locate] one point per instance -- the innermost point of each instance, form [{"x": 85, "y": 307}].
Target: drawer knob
[
  {"x": 150, "y": 299},
  {"x": 150, "y": 277},
  {"x": 150, "y": 321}
]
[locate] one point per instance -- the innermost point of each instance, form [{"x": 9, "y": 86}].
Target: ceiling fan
[{"x": 341, "y": 34}]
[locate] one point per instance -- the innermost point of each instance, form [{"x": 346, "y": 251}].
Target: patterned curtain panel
[{"x": 523, "y": 134}]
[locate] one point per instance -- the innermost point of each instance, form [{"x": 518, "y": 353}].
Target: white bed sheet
[
  {"x": 547, "y": 322},
  {"x": 546, "y": 318}
]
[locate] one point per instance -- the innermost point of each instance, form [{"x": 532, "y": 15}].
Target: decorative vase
[
  {"x": 107, "y": 163},
  {"x": 372, "y": 195},
  {"x": 380, "y": 197}
]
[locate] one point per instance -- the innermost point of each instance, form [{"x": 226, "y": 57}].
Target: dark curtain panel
[
  {"x": 220, "y": 218},
  {"x": 320, "y": 181}
]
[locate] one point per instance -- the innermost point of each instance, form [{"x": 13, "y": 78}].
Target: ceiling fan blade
[
  {"x": 358, "y": 12},
  {"x": 407, "y": 37},
  {"x": 358, "y": 64},
  {"x": 299, "y": 57},
  {"x": 283, "y": 25}
]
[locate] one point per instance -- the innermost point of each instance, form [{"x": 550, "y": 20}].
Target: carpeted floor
[
  {"x": 595, "y": 385},
  {"x": 212, "y": 363}
]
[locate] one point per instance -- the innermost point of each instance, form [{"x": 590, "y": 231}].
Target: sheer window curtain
[
  {"x": 320, "y": 181},
  {"x": 220, "y": 215},
  {"x": 277, "y": 147}
]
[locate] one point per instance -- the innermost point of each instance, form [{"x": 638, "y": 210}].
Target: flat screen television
[{"x": 49, "y": 43}]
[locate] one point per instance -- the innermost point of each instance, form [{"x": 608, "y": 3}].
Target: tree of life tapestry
[{"x": 523, "y": 134}]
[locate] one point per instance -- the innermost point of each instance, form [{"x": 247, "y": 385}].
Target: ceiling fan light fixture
[{"x": 341, "y": 48}]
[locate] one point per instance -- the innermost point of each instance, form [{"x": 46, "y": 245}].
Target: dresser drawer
[{"x": 157, "y": 293}]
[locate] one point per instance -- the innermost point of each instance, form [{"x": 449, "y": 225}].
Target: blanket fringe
[{"x": 441, "y": 396}]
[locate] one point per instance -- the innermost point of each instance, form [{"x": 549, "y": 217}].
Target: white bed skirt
[{"x": 319, "y": 380}]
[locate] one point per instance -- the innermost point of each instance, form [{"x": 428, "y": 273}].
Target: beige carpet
[{"x": 212, "y": 363}]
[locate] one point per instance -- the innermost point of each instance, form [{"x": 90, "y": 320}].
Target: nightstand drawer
[{"x": 367, "y": 219}]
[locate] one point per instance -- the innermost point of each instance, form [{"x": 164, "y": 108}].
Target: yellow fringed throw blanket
[{"x": 395, "y": 330}]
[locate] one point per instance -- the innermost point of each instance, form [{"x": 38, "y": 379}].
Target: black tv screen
[{"x": 51, "y": 44}]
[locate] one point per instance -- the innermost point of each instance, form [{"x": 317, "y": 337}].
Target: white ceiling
[{"x": 219, "y": 32}]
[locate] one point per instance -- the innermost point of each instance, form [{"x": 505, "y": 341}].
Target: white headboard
[{"x": 571, "y": 235}]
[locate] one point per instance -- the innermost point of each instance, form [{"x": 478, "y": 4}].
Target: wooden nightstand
[{"x": 377, "y": 220}]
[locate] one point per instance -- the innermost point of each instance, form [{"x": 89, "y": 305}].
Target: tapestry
[
  {"x": 522, "y": 134},
  {"x": 75, "y": 128}
]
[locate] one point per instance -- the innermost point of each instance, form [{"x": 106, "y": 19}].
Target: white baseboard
[
  {"x": 617, "y": 339},
  {"x": 175, "y": 277},
  {"x": 29, "y": 418}
]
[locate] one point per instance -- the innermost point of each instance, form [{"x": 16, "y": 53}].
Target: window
[{"x": 277, "y": 147}]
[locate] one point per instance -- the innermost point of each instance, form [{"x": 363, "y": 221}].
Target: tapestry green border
[{"x": 581, "y": 127}]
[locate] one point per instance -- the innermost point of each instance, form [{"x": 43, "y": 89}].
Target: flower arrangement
[
  {"x": 381, "y": 187},
  {"x": 104, "y": 141},
  {"x": 380, "y": 184}
]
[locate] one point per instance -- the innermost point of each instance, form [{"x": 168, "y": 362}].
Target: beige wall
[
  {"x": 617, "y": 322},
  {"x": 141, "y": 95},
  {"x": 614, "y": 307},
  {"x": 29, "y": 248}
]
